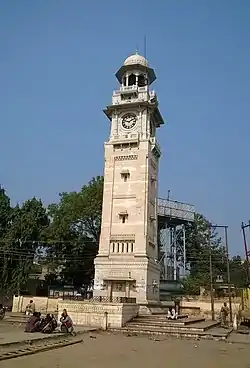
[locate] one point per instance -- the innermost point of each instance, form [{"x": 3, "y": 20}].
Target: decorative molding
[
  {"x": 156, "y": 153},
  {"x": 152, "y": 163},
  {"x": 105, "y": 265},
  {"x": 151, "y": 244},
  {"x": 127, "y": 157},
  {"x": 122, "y": 236},
  {"x": 89, "y": 307},
  {"x": 124, "y": 196}
]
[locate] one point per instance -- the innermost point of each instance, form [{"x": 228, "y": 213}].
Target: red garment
[{"x": 31, "y": 325}]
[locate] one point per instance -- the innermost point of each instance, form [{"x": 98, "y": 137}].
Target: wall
[
  {"x": 129, "y": 312},
  {"x": 42, "y": 304},
  {"x": 100, "y": 315},
  {"x": 205, "y": 306}
]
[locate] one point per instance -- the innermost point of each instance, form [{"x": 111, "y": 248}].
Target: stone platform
[
  {"x": 15, "y": 319},
  {"x": 193, "y": 327},
  {"x": 99, "y": 314}
]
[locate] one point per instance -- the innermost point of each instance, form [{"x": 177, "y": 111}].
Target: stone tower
[{"x": 126, "y": 264}]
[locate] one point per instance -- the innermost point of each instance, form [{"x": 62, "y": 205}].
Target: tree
[
  {"x": 73, "y": 235},
  {"x": 21, "y": 243},
  {"x": 5, "y": 223},
  {"x": 238, "y": 272},
  {"x": 5, "y": 212},
  {"x": 198, "y": 248}
]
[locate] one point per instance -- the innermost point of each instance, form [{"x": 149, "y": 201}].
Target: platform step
[
  {"x": 176, "y": 322},
  {"x": 214, "y": 333},
  {"x": 162, "y": 315},
  {"x": 15, "y": 318},
  {"x": 168, "y": 326}
]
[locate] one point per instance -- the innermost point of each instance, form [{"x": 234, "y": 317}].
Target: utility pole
[
  {"x": 184, "y": 250},
  {"x": 225, "y": 227},
  {"x": 243, "y": 227},
  {"x": 211, "y": 273},
  {"x": 19, "y": 257},
  {"x": 228, "y": 276}
]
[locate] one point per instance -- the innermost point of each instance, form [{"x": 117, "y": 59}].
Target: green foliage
[
  {"x": 198, "y": 248},
  {"x": 73, "y": 235},
  {"x": 65, "y": 238},
  {"x": 238, "y": 272},
  {"x": 191, "y": 285},
  {"x": 5, "y": 213},
  {"x": 20, "y": 237}
]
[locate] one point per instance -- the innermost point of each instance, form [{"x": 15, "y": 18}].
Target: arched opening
[
  {"x": 124, "y": 81},
  {"x": 142, "y": 81},
  {"x": 131, "y": 80}
]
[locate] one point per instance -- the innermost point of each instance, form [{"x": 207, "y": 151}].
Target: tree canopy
[
  {"x": 20, "y": 235},
  {"x": 65, "y": 237},
  {"x": 73, "y": 235},
  {"x": 202, "y": 240}
]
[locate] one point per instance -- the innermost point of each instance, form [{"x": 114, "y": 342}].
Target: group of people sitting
[
  {"x": 37, "y": 323},
  {"x": 47, "y": 324}
]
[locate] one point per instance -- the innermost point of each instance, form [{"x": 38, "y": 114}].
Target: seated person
[
  {"x": 43, "y": 321},
  {"x": 2, "y": 311},
  {"x": 49, "y": 324},
  {"x": 66, "y": 323},
  {"x": 30, "y": 308},
  {"x": 33, "y": 324},
  {"x": 54, "y": 322},
  {"x": 172, "y": 314}
]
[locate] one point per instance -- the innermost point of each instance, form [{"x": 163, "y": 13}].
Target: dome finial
[{"x": 136, "y": 59}]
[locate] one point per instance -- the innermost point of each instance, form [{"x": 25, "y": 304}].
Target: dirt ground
[{"x": 112, "y": 351}]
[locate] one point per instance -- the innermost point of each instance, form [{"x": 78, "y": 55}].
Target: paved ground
[
  {"x": 239, "y": 338},
  {"x": 112, "y": 351},
  {"x": 10, "y": 334}
]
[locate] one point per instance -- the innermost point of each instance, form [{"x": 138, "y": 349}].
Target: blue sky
[{"x": 57, "y": 65}]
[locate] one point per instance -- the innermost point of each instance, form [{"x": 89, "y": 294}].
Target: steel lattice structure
[{"x": 173, "y": 216}]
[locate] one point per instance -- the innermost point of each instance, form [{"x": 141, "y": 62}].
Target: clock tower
[{"x": 126, "y": 264}]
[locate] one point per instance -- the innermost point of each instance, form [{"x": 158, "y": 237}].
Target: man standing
[{"x": 224, "y": 314}]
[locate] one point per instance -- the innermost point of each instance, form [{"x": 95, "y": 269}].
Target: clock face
[{"x": 129, "y": 121}]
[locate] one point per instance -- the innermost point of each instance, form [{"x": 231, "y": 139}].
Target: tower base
[{"x": 138, "y": 279}]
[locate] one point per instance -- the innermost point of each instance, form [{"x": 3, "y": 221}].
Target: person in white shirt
[{"x": 172, "y": 314}]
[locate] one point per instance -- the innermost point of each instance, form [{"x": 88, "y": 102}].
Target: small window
[
  {"x": 125, "y": 176},
  {"x": 123, "y": 217},
  {"x": 118, "y": 247},
  {"x": 131, "y": 80},
  {"x": 113, "y": 247},
  {"x": 127, "y": 247},
  {"x": 122, "y": 247},
  {"x": 132, "y": 247},
  {"x": 141, "y": 80}
]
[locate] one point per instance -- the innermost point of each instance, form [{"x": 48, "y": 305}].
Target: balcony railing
[{"x": 102, "y": 299}]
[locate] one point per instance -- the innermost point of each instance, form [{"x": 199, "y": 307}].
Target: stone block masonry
[{"x": 100, "y": 315}]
